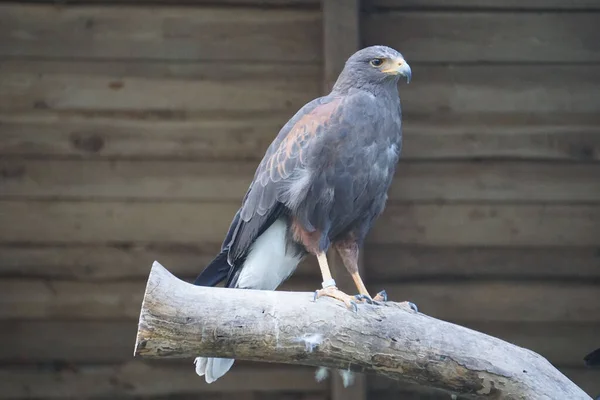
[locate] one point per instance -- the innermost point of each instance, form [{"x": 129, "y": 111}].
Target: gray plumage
[
  {"x": 333, "y": 171},
  {"x": 323, "y": 180}
]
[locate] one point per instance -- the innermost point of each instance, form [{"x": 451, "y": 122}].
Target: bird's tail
[
  {"x": 215, "y": 272},
  {"x": 213, "y": 368},
  {"x": 267, "y": 264}
]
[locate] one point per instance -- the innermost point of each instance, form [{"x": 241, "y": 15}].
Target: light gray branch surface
[{"x": 180, "y": 320}]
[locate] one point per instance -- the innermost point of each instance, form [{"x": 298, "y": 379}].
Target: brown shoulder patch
[{"x": 280, "y": 165}]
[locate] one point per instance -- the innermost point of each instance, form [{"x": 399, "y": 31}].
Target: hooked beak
[
  {"x": 405, "y": 71},
  {"x": 399, "y": 66}
]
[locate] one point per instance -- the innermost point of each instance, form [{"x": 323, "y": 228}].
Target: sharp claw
[
  {"x": 353, "y": 305},
  {"x": 364, "y": 297},
  {"x": 413, "y": 306},
  {"x": 315, "y": 295},
  {"x": 382, "y": 296}
]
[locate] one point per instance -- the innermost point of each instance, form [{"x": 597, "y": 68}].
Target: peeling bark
[{"x": 180, "y": 320}]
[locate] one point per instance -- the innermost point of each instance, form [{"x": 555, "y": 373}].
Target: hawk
[{"x": 322, "y": 183}]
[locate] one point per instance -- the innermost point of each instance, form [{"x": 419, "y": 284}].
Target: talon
[
  {"x": 413, "y": 306},
  {"x": 334, "y": 292},
  {"x": 364, "y": 297},
  {"x": 316, "y": 295},
  {"x": 381, "y": 296}
]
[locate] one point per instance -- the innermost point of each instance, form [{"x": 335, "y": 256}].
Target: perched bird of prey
[{"x": 322, "y": 182}]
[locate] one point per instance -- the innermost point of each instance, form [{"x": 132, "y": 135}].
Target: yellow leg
[
  {"x": 324, "y": 265},
  {"x": 329, "y": 288},
  {"x": 360, "y": 284},
  {"x": 349, "y": 253},
  {"x": 363, "y": 290}
]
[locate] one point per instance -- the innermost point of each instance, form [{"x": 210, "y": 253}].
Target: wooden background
[{"x": 129, "y": 131}]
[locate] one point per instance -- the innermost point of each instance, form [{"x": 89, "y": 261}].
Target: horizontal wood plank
[
  {"x": 118, "y": 179},
  {"x": 507, "y": 136},
  {"x": 259, "y": 3},
  {"x": 85, "y": 222},
  {"x": 236, "y": 138},
  {"x": 242, "y": 138},
  {"x": 387, "y": 389},
  {"x": 254, "y": 395},
  {"x": 181, "y": 90},
  {"x": 165, "y": 89},
  {"x": 409, "y": 392},
  {"x": 242, "y": 3},
  {"x": 455, "y": 301},
  {"x": 478, "y": 181},
  {"x": 289, "y": 35},
  {"x": 388, "y": 262},
  {"x": 496, "y": 225},
  {"x": 104, "y": 262},
  {"x": 518, "y": 5},
  {"x": 587, "y": 379},
  {"x": 113, "y": 262},
  {"x": 463, "y": 302},
  {"x": 175, "y": 33},
  {"x": 69, "y": 342},
  {"x": 486, "y": 36},
  {"x": 564, "y": 345},
  {"x": 191, "y": 223},
  {"x": 384, "y": 262},
  {"x": 137, "y": 378},
  {"x": 482, "y": 90},
  {"x": 393, "y": 4}
]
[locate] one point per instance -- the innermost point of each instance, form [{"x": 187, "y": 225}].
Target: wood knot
[
  {"x": 12, "y": 171},
  {"x": 583, "y": 152},
  {"x": 116, "y": 85},
  {"x": 40, "y": 105},
  {"x": 91, "y": 143}
]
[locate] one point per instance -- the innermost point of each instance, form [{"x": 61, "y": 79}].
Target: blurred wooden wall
[{"x": 129, "y": 131}]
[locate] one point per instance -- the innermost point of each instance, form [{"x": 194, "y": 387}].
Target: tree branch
[{"x": 180, "y": 320}]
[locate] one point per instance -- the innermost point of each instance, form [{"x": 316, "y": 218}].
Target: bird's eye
[{"x": 376, "y": 62}]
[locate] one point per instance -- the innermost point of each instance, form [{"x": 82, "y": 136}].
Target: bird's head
[
  {"x": 377, "y": 67},
  {"x": 379, "y": 63}
]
